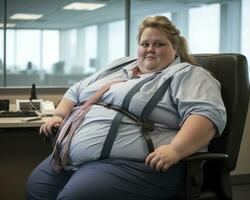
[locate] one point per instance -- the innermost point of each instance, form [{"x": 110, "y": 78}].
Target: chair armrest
[
  {"x": 203, "y": 156},
  {"x": 194, "y": 171},
  {"x": 50, "y": 139}
]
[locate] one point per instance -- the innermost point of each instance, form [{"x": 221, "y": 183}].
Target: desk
[
  {"x": 16, "y": 122},
  {"x": 21, "y": 149}
]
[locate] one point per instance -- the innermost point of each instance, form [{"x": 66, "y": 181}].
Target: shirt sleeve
[
  {"x": 196, "y": 91},
  {"x": 74, "y": 91}
]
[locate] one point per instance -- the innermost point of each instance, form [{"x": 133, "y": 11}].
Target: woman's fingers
[
  {"x": 159, "y": 165},
  {"x": 162, "y": 158},
  {"x": 149, "y": 158},
  {"x": 46, "y": 128}
]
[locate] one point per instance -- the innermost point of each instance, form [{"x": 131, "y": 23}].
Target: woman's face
[{"x": 155, "y": 52}]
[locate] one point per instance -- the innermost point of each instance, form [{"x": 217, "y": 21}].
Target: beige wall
[{"x": 243, "y": 164}]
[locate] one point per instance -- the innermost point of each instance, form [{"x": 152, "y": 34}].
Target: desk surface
[{"x": 16, "y": 122}]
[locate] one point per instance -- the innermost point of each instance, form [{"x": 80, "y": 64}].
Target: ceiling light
[
  {"x": 26, "y": 16},
  {"x": 8, "y": 25},
  {"x": 83, "y": 6}
]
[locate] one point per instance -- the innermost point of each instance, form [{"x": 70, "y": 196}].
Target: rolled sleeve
[{"x": 196, "y": 91}]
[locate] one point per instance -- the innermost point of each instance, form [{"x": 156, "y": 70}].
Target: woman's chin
[
  {"x": 149, "y": 68},
  {"x": 151, "y": 63}
]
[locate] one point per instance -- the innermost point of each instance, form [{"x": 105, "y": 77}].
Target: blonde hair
[{"x": 163, "y": 24}]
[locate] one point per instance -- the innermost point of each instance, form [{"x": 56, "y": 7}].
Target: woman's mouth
[{"x": 150, "y": 58}]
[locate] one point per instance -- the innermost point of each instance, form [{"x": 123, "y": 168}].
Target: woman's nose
[{"x": 151, "y": 48}]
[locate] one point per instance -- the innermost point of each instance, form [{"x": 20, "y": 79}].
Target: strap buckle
[{"x": 147, "y": 124}]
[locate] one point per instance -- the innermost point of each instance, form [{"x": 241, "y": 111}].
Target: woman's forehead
[{"x": 153, "y": 34}]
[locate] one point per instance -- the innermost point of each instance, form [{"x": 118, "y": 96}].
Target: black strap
[
  {"x": 155, "y": 99},
  {"x": 131, "y": 93},
  {"x": 148, "y": 125},
  {"x": 109, "y": 141}
]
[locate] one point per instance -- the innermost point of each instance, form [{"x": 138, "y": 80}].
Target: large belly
[{"x": 88, "y": 140}]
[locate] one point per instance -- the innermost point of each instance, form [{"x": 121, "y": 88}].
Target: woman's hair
[{"x": 163, "y": 24}]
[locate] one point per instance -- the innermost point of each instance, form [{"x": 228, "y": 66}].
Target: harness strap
[
  {"x": 131, "y": 93},
  {"x": 145, "y": 125},
  {"x": 110, "y": 138},
  {"x": 155, "y": 99},
  {"x": 116, "y": 108},
  {"x": 109, "y": 141}
]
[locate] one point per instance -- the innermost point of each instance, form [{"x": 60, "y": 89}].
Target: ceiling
[{"x": 54, "y": 17}]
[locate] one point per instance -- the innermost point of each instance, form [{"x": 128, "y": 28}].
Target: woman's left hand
[{"x": 162, "y": 158}]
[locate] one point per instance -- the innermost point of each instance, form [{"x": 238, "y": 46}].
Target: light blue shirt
[{"x": 193, "y": 90}]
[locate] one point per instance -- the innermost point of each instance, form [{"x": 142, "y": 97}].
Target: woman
[{"x": 186, "y": 118}]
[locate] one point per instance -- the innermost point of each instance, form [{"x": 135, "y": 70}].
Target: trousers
[{"x": 109, "y": 179}]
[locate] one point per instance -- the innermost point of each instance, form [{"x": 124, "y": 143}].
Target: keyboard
[{"x": 18, "y": 114}]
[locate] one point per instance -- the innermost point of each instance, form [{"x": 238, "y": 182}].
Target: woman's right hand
[
  {"x": 62, "y": 110},
  {"x": 47, "y": 127}
]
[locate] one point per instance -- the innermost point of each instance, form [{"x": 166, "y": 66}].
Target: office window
[
  {"x": 50, "y": 49},
  {"x": 245, "y": 30},
  {"x": 116, "y": 40},
  {"x": 91, "y": 49},
  {"x": 69, "y": 45},
  {"x": 63, "y": 46},
  {"x": 1, "y": 44},
  {"x": 1, "y": 58},
  {"x": 11, "y": 51},
  {"x": 204, "y": 29},
  {"x": 28, "y": 49},
  {"x": 23, "y": 57}
]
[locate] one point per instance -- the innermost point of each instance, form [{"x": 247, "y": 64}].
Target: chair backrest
[{"x": 232, "y": 72}]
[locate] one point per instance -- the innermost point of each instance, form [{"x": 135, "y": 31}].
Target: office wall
[{"x": 243, "y": 164}]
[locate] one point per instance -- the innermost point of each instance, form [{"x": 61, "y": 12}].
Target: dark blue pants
[{"x": 110, "y": 179}]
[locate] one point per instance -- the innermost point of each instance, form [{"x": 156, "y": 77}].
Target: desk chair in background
[{"x": 212, "y": 182}]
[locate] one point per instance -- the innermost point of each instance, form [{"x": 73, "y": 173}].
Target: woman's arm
[
  {"x": 195, "y": 134},
  {"x": 63, "y": 109}
]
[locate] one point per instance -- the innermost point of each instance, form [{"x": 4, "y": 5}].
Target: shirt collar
[
  {"x": 176, "y": 61},
  {"x": 129, "y": 69}
]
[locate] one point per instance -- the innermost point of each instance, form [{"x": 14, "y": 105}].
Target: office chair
[{"x": 212, "y": 181}]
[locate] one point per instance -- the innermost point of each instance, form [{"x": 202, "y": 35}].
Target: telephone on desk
[
  {"x": 44, "y": 107},
  {"x": 47, "y": 107}
]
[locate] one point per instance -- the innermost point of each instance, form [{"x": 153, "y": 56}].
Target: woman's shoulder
[
  {"x": 195, "y": 74},
  {"x": 188, "y": 72},
  {"x": 192, "y": 69}
]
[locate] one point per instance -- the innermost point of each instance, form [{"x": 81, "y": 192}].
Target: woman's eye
[
  {"x": 159, "y": 45},
  {"x": 144, "y": 44}
]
